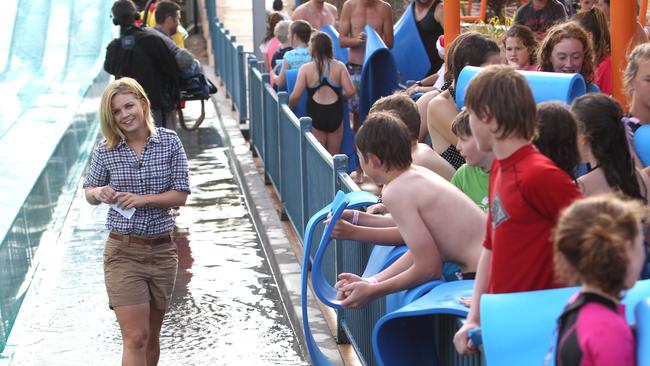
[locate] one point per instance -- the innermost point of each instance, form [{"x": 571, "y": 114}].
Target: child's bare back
[{"x": 429, "y": 210}]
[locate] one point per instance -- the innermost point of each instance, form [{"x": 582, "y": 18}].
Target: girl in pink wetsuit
[{"x": 598, "y": 242}]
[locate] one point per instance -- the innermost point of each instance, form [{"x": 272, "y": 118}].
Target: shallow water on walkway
[{"x": 226, "y": 308}]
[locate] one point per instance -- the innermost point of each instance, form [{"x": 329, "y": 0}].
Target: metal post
[
  {"x": 259, "y": 25},
  {"x": 623, "y": 34},
  {"x": 243, "y": 105},
  {"x": 283, "y": 99},
  {"x": 452, "y": 21},
  {"x": 305, "y": 126},
  {"x": 265, "y": 80},
  {"x": 253, "y": 112},
  {"x": 340, "y": 166}
]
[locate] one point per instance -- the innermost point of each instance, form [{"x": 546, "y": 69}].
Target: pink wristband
[{"x": 355, "y": 217}]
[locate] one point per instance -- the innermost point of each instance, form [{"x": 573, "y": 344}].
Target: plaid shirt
[{"x": 162, "y": 167}]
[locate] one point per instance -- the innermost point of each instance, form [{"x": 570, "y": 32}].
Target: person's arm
[
  {"x": 439, "y": 15},
  {"x": 96, "y": 185},
  {"x": 335, "y": 13},
  {"x": 387, "y": 30},
  {"x": 366, "y": 219},
  {"x": 376, "y": 235},
  {"x": 98, "y": 195},
  {"x": 346, "y": 83},
  {"x": 440, "y": 116},
  {"x": 177, "y": 193},
  {"x": 461, "y": 338},
  {"x": 183, "y": 57},
  {"x": 168, "y": 199},
  {"x": 299, "y": 88},
  {"x": 280, "y": 80},
  {"x": 165, "y": 62},
  {"x": 298, "y": 13},
  {"x": 426, "y": 263},
  {"x": 109, "y": 60},
  {"x": 345, "y": 32}
]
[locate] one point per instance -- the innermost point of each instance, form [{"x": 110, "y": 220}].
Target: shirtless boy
[
  {"x": 430, "y": 214},
  {"x": 317, "y": 12},
  {"x": 354, "y": 17},
  {"x": 407, "y": 111}
]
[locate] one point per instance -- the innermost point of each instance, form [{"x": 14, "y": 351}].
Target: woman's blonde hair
[
  {"x": 640, "y": 53},
  {"x": 110, "y": 130},
  {"x": 592, "y": 238}
]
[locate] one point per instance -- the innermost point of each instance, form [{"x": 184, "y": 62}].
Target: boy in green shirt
[{"x": 472, "y": 177}]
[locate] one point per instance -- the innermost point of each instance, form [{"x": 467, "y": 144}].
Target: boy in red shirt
[{"x": 527, "y": 192}]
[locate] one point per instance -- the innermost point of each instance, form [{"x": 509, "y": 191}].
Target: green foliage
[{"x": 493, "y": 28}]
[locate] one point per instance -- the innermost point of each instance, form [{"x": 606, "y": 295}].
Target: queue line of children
[{"x": 527, "y": 190}]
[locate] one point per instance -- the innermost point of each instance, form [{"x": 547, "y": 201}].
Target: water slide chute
[
  {"x": 408, "y": 49},
  {"x": 379, "y": 72},
  {"x": 340, "y": 54}
]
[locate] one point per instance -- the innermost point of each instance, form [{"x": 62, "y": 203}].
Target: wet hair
[
  {"x": 592, "y": 239},
  {"x": 277, "y": 5},
  {"x": 321, "y": 50},
  {"x": 109, "y": 128},
  {"x": 271, "y": 21},
  {"x": 387, "y": 137},
  {"x": 124, "y": 13},
  {"x": 499, "y": 91},
  {"x": 302, "y": 30},
  {"x": 460, "y": 126},
  {"x": 639, "y": 54},
  {"x": 404, "y": 108},
  {"x": 557, "y": 135},
  {"x": 166, "y": 9},
  {"x": 595, "y": 22},
  {"x": 526, "y": 36},
  {"x": 468, "y": 49},
  {"x": 558, "y": 33},
  {"x": 599, "y": 119},
  {"x": 281, "y": 31}
]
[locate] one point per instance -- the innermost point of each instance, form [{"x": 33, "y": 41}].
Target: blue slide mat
[{"x": 546, "y": 86}]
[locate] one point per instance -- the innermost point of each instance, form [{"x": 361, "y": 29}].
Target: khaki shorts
[{"x": 137, "y": 273}]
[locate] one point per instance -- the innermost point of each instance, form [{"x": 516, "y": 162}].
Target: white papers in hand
[{"x": 126, "y": 213}]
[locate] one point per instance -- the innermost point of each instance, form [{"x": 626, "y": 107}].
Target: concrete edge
[{"x": 279, "y": 252}]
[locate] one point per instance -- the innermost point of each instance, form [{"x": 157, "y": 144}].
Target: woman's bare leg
[
  {"x": 334, "y": 140},
  {"x": 156, "y": 317},
  {"x": 134, "y": 325}
]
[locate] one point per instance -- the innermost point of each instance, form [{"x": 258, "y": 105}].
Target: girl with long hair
[
  {"x": 603, "y": 144},
  {"x": 328, "y": 84},
  {"x": 566, "y": 48}
]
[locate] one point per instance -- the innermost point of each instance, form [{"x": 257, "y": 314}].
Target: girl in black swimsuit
[{"x": 325, "y": 97}]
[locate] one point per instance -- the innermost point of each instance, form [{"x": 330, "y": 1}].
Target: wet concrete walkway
[{"x": 226, "y": 308}]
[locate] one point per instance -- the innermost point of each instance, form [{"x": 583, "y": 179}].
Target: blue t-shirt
[{"x": 297, "y": 56}]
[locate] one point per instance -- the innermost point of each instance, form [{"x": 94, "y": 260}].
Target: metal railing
[
  {"x": 306, "y": 178},
  {"x": 231, "y": 67}
]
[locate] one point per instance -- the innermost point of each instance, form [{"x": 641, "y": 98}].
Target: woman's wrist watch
[{"x": 418, "y": 83}]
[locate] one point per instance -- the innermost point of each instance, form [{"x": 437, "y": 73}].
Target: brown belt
[{"x": 142, "y": 240}]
